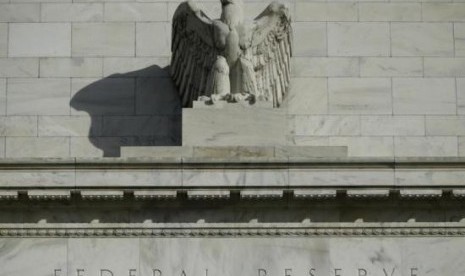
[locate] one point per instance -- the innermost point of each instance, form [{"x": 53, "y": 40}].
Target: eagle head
[{"x": 229, "y": 2}]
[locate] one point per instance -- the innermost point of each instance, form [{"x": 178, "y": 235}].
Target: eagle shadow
[{"x": 138, "y": 108}]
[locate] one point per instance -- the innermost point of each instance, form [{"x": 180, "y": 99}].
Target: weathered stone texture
[
  {"x": 39, "y": 39},
  {"x": 360, "y": 96},
  {"x": 3, "y": 39},
  {"x": 103, "y": 39},
  {"x": 38, "y": 96},
  {"x": 358, "y": 39},
  {"x": 71, "y": 67},
  {"x": 422, "y": 39},
  {"x": 375, "y": 76},
  {"x": 136, "y": 12},
  {"x": 76, "y": 12},
  {"x": 424, "y": 96}
]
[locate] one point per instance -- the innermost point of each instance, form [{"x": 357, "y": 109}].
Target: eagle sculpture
[{"x": 223, "y": 59}]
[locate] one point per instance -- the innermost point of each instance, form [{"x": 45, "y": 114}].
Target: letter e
[
  {"x": 362, "y": 272},
  {"x": 287, "y": 272},
  {"x": 413, "y": 271},
  {"x": 312, "y": 270},
  {"x": 131, "y": 271}
]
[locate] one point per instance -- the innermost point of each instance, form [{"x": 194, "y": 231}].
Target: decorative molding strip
[
  {"x": 156, "y": 194},
  {"x": 49, "y": 194},
  {"x": 460, "y": 193},
  {"x": 315, "y": 193},
  {"x": 420, "y": 193},
  {"x": 262, "y": 194},
  {"x": 102, "y": 195},
  {"x": 8, "y": 195},
  {"x": 208, "y": 194},
  {"x": 365, "y": 194},
  {"x": 264, "y": 231}
]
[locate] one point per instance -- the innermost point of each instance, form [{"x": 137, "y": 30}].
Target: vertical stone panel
[
  {"x": 20, "y": 126},
  {"x": 23, "y": 147},
  {"x": 39, "y": 40},
  {"x": 424, "y": 96},
  {"x": 426, "y": 146},
  {"x": 391, "y": 67},
  {"x": 136, "y": 12},
  {"x": 3, "y": 39},
  {"x": 71, "y": 67},
  {"x": 321, "y": 125},
  {"x": 309, "y": 39},
  {"x": 459, "y": 33},
  {"x": 390, "y": 11},
  {"x": 359, "y": 96},
  {"x": 365, "y": 146},
  {"x": 460, "y": 95},
  {"x": 308, "y": 96},
  {"x": 103, "y": 39},
  {"x": 358, "y": 39},
  {"x": 76, "y": 12},
  {"x": 320, "y": 11},
  {"x": 422, "y": 39},
  {"x": 325, "y": 67},
  {"x": 19, "y": 13},
  {"x": 153, "y": 39},
  {"x": 38, "y": 96},
  {"x": 2, "y": 97},
  {"x": 444, "y": 12},
  {"x": 19, "y": 67}
]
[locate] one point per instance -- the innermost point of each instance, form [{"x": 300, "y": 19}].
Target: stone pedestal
[{"x": 234, "y": 124}]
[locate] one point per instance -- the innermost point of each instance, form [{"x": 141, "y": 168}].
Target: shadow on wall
[{"x": 138, "y": 108}]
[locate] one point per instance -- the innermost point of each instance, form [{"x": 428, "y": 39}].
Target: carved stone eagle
[{"x": 226, "y": 60}]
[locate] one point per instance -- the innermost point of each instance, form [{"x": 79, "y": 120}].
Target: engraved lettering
[
  {"x": 414, "y": 271},
  {"x": 337, "y": 271},
  {"x": 155, "y": 271},
  {"x": 262, "y": 272},
  {"x": 312, "y": 270},
  {"x": 107, "y": 271},
  {"x": 206, "y": 272},
  {"x": 392, "y": 273},
  {"x": 78, "y": 272},
  {"x": 362, "y": 272},
  {"x": 55, "y": 272},
  {"x": 183, "y": 273},
  {"x": 287, "y": 272},
  {"x": 131, "y": 271}
]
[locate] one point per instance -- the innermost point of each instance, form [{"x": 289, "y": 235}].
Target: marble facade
[{"x": 359, "y": 173}]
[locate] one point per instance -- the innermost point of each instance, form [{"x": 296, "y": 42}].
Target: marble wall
[
  {"x": 244, "y": 256},
  {"x": 84, "y": 78}
]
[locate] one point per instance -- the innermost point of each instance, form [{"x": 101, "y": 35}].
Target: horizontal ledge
[
  {"x": 225, "y": 193},
  {"x": 242, "y": 163},
  {"x": 70, "y": 230}
]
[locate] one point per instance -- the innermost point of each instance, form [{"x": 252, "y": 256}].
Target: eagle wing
[
  {"x": 193, "y": 51},
  {"x": 271, "y": 45}
]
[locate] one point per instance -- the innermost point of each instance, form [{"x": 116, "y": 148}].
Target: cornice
[{"x": 237, "y": 231}]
